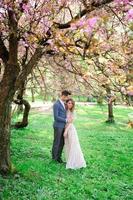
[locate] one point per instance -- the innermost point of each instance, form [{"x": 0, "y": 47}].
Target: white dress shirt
[{"x": 62, "y": 103}]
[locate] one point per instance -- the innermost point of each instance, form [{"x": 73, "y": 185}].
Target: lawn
[{"x": 108, "y": 150}]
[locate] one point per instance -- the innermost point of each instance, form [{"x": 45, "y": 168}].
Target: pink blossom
[
  {"x": 130, "y": 93},
  {"x": 122, "y": 1},
  {"x": 81, "y": 22},
  {"x": 62, "y": 2},
  {"x": 73, "y": 26},
  {"x": 26, "y": 8},
  {"x": 130, "y": 14},
  {"x": 88, "y": 30},
  {"x": 92, "y": 22}
]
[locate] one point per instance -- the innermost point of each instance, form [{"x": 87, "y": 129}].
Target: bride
[{"x": 74, "y": 155}]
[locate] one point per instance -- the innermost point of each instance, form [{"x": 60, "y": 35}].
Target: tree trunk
[
  {"x": 32, "y": 94},
  {"x": 24, "y": 121},
  {"x": 6, "y": 96},
  {"x": 5, "y": 118},
  {"x": 110, "y": 113},
  {"x": 26, "y": 113},
  {"x": 111, "y": 98},
  {"x": 21, "y": 92}
]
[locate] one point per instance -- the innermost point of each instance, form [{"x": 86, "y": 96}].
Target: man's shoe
[{"x": 61, "y": 161}]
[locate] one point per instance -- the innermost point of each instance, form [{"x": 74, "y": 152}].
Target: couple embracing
[{"x": 65, "y": 133}]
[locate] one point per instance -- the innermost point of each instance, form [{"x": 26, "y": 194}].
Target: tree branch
[
  {"x": 4, "y": 54},
  {"x": 91, "y": 8},
  {"x": 13, "y": 40},
  {"x": 30, "y": 65}
]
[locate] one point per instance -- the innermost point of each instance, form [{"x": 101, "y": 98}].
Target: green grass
[{"x": 108, "y": 150}]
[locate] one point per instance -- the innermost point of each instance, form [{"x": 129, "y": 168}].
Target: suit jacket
[{"x": 59, "y": 115}]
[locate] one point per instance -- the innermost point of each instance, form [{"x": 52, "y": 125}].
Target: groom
[{"x": 60, "y": 120}]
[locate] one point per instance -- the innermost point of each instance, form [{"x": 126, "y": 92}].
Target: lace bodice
[{"x": 70, "y": 114}]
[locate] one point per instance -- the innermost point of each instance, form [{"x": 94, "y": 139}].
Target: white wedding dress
[{"x": 73, "y": 152}]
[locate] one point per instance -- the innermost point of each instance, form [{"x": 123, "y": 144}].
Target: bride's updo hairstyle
[{"x": 73, "y": 103}]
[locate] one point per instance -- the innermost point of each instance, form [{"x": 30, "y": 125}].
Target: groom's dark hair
[{"x": 65, "y": 93}]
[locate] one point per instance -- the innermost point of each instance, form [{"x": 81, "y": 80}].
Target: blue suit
[
  {"x": 59, "y": 126},
  {"x": 59, "y": 115}
]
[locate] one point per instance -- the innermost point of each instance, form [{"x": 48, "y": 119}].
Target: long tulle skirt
[{"x": 73, "y": 152}]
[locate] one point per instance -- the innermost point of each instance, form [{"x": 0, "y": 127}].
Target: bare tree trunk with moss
[{"x": 24, "y": 122}]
